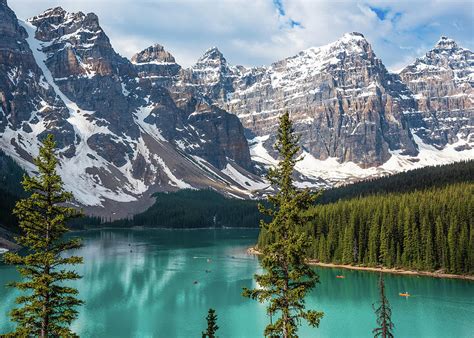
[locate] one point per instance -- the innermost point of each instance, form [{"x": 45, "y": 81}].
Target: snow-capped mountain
[
  {"x": 129, "y": 128},
  {"x": 121, "y": 136},
  {"x": 442, "y": 83},
  {"x": 355, "y": 118}
]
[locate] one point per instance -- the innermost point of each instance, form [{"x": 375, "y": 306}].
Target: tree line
[
  {"x": 429, "y": 230},
  {"x": 417, "y": 179},
  {"x": 195, "y": 209}
]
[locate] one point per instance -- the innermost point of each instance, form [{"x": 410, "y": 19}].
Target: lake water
[{"x": 141, "y": 283}]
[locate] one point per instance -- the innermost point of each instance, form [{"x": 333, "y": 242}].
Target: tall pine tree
[
  {"x": 211, "y": 325},
  {"x": 48, "y": 305},
  {"x": 287, "y": 277},
  {"x": 384, "y": 314}
]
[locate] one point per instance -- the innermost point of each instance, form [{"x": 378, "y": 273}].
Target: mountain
[
  {"x": 340, "y": 95},
  {"x": 127, "y": 129},
  {"x": 355, "y": 118},
  {"x": 442, "y": 85},
  {"x": 121, "y": 136}
]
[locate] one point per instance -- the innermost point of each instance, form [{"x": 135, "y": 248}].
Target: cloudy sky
[{"x": 256, "y": 32}]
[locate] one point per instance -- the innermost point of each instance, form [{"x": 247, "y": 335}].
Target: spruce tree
[
  {"x": 48, "y": 305},
  {"x": 441, "y": 245},
  {"x": 409, "y": 245},
  {"x": 374, "y": 239},
  {"x": 211, "y": 325},
  {"x": 287, "y": 278},
  {"x": 384, "y": 314}
]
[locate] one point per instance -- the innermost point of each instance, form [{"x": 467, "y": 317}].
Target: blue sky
[{"x": 256, "y": 32}]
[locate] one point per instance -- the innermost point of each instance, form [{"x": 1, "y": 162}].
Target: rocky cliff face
[
  {"x": 156, "y": 64},
  {"x": 344, "y": 102},
  {"x": 121, "y": 134},
  {"x": 346, "y": 106},
  {"x": 210, "y": 76},
  {"x": 27, "y": 102},
  {"x": 442, "y": 85}
]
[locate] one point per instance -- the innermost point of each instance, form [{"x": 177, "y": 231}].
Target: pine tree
[
  {"x": 384, "y": 314},
  {"x": 384, "y": 254},
  {"x": 441, "y": 245},
  {"x": 287, "y": 277},
  {"x": 211, "y": 325},
  {"x": 428, "y": 244},
  {"x": 453, "y": 234},
  {"x": 322, "y": 253},
  {"x": 408, "y": 241},
  {"x": 48, "y": 306},
  {"x": 374, "y": 239},
  {"x": 348, "y": 255}
]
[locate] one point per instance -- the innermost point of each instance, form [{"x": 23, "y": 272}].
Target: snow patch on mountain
[
  {"x": 335, "y": 173},
  {"x": 242, "y": 180},
  {"x": 87, "y": 189},
  {"x": 174, "y": 181}
]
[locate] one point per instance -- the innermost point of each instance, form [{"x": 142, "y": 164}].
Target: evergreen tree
[
  {"x": 322, "y": 249},
  {"x": 374, "y": 239},
  {"x": 384, "y": 254},
  {"x": 441, "y": 244},
  {"x": 348, "y": 251},
  {"x": 428, "y": 244},
  {"x": 453, "y": 234},
  {"x": 384, "y": 314},
  {"x": 287, "y": 277},
  {"x": 48, "y": 306},
  {"x": 408, "y": 238},
  {"x": 211, "y": 325}
]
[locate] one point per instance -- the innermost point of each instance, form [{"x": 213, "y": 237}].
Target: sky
[{"x": 259, "y": 32}]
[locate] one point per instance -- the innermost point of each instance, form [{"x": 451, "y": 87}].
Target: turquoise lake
[{"x": 141, "y": 283}]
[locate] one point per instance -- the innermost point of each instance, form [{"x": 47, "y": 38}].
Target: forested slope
[
  {"x": 11, "y": 190},
  {"x": 436, "y": 176},
  {"x": 196, "y": 209},
  {"x": 431, "y": 229}
]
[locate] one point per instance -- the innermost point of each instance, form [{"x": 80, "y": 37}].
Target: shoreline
[
  {"x": 142, "y": 227},
  {"x": 253, "y": 251}
]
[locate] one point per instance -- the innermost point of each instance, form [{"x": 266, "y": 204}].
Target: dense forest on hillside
[
  {"x": 191, "y": 209},
  {"x": 11, "y": 176},
  {"x": 428, "y": 230},
  {"x": 195, "y": 209},
  {"x": 422, "y": 178}
]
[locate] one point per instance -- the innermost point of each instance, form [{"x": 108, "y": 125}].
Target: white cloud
[{"x": 251, "y": 32}]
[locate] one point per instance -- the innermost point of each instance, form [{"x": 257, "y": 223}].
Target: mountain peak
[
  {"x": 353, "y": 38},
  {"x": 213, "y": 54},
  {"x": 446, "y": 43},
  {"x": 153, "y": 54},
  {"x": 51, "y": 12},
  {"x": 354, "y": 35},
  {"x": 56, "y": 23},
  {"x": 58, "y": 16},
  {"x": 351, "y": 42}
]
